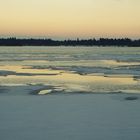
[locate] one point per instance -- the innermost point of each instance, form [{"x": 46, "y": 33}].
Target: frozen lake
[
  {"x": 77, "y": 117},
  {"x": 69, "y": 93}
]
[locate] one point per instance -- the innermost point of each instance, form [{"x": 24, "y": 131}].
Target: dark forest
[{"x": 77, "y": 42}]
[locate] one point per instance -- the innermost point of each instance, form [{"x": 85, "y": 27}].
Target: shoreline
[{"x": 104, "y": 42}]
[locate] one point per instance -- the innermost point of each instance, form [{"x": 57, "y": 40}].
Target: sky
[{"x": 63, "y": 19}]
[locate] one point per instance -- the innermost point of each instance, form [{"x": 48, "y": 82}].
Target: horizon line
[{"x": 77, "y": 38}]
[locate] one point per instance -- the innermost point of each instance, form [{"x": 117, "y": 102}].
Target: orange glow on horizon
[{"x": 70, "y": 19}]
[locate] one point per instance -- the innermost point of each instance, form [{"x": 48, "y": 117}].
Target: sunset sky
[{"x": 62, "y": 19}]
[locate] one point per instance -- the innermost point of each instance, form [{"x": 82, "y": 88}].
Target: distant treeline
[{"x": 77, "y": 42}]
